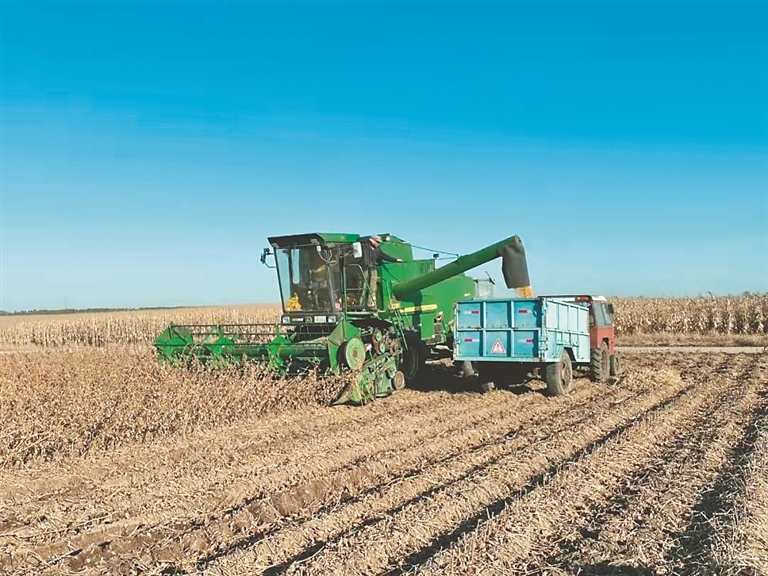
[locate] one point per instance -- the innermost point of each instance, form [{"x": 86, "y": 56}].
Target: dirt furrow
[
  {"x": 459, "y": 511},
  {"x": 483, "y": 427},
  {"x": 525, "y": 533},
  {"x": 416, "y": 482},
  {"x": 181, "y": 537},
  {"x": 742, "y": 548},
  {"x": 445, "y": 503},
  {"x": 243, "y": 459},
  {"x": 635, "y": 528},
  {"x": 271, "y": 436},
  {"x": 710, "y": 524}
]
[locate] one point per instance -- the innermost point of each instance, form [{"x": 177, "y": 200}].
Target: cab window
[{"x": 602, "y": 318}]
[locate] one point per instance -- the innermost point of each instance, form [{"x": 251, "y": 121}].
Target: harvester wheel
[
  {"x": 560, "y": 376},
  {"x": 599, "y": 366},
  {"x": 615, "y": 364},
  {"x": 414, "y": 356},
  {"x": 353, "y": 353},
  {"x": 398, "y": 380}
]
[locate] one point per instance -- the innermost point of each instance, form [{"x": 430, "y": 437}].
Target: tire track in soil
[
  {"x": 177, "y": 529},
  {"x": 715, "y": 508},
  {"x": 381, "y": 487},
  {"x": 546, "y": 453},
  {"x": 633, "y": 530},
  {"x": 435, "y": 424},
  {"x": 543, "y": 482},
  {"x": 413, "y": 562},
  {"x": 507, "y": 541},
  {"x": 280, "y": 437},
  {"x": 558, "y": 407},
  {"x": 407, "y": 408},
  {"x": 547, "y": 411}
]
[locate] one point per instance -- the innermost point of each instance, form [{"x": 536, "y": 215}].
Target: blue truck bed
[{"x": 526, "y": 330}]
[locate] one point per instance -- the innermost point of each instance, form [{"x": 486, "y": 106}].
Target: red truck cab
[{"x": 605, "y": 358}]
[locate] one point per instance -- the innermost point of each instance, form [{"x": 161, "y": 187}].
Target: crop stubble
[{"x": 660, "y": 473}]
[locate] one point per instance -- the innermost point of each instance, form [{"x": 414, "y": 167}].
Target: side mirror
[
  {"x": 264, "y": 254},
  {"x": 610, "y": 309},
  {"x": 357, "y": 250}
]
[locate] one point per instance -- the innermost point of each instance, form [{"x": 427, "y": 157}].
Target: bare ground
[{"x": 665, "y": 472}]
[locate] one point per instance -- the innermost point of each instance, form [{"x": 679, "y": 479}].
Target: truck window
[
  {"x": 608, "y": 314},
  {"x": 602, "y": 318}
]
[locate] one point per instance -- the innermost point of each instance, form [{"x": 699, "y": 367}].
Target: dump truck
[
  {"x": 347, "y": 309},
  {"x": 508, "y": 339}
]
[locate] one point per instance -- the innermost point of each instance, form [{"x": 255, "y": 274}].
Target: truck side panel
[{"x": 520, "y": 330}]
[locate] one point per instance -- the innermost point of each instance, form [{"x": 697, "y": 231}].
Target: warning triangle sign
[{"x": 498, "y": 347}]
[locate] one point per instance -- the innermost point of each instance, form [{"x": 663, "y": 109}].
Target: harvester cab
[
  {"x": 343, "y": 311},
  {"x": 327, "y": 274}
]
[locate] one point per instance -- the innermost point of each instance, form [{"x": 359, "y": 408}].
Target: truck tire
[
  {"x": 599, "y": 365},
  {"x": 414, "y": 356},
  {"x": 615, "y": 364},
  {"x": 560, "y": 376},
  {"x": 467, "y": 370}
]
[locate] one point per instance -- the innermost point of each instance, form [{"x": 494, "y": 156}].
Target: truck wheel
[
  {"x": 467, "y": 370},
  {"x": 414, "y": 356},
  {"x": 560, "y": 376},
  {"x": 599, "y": 366},
  {"x": 615, "y": 364}
]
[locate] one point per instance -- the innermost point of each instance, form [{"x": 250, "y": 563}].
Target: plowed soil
[{"x": 663, "y": 472}]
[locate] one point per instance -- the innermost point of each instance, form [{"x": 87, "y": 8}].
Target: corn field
[
  {"x": 129, "y": 327},
  {"x": 737, "y": 315},
  {"x": 702, "y": 316}
]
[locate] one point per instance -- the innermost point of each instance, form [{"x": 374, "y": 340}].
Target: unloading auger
[{"x": 343, "y": 314}]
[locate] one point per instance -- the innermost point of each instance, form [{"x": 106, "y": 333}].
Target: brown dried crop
[
  {"x": 128, "y": 327},
  {"x": 73, "y": 402},
  {"x": 731, "y": 315}
]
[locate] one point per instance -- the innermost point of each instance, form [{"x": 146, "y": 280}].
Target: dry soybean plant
[{"x": 76, "y": 401}]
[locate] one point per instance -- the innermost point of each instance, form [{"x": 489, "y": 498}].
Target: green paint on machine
[{"x": 344, "y": 314}]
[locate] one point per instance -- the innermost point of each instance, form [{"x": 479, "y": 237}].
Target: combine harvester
[{"x": 346, "y": 310}]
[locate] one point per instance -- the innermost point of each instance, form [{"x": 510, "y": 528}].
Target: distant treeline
[{"x": 85, "y": 310}]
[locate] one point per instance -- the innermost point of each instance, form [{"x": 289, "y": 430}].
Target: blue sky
[{"x": 149, "y": 149}]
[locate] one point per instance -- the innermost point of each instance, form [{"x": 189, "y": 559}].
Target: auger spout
[{"x": 515, "y": 268}]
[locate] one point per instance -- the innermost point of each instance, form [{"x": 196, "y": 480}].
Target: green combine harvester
[{"x": 350, "y": 305}]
